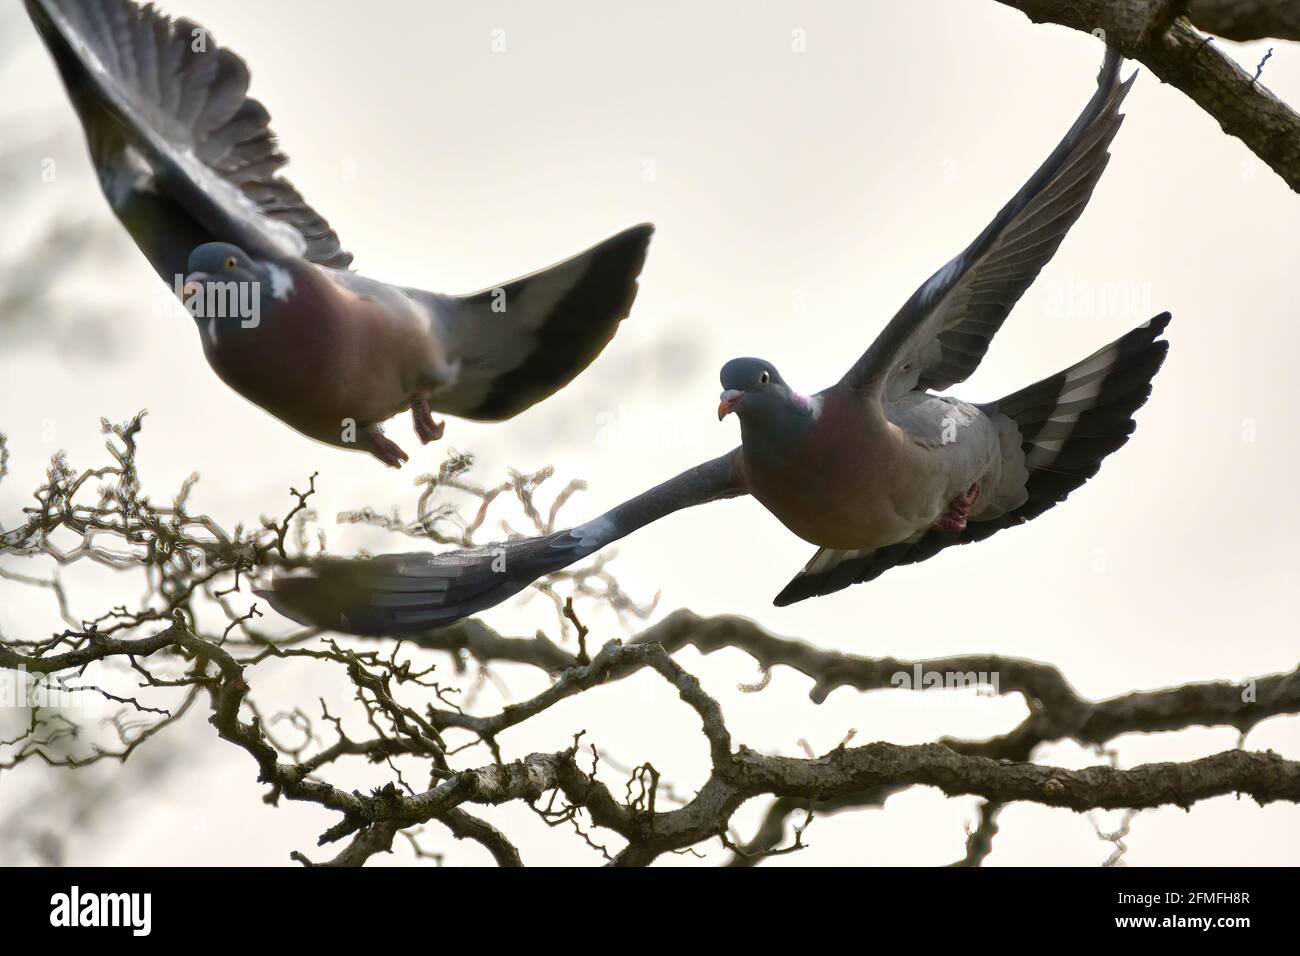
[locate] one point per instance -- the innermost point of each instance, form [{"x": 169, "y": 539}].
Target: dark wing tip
[
  {"x": 805, "y": 585},
  {"x": 791, "y": 594},
  {"x": 1159, "y": 323},
  {"x": 577, "y": 328},
  {"x": 836, "y": 577}
]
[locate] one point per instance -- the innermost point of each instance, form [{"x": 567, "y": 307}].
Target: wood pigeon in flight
[
  {"x": 877, "y": 470},
  {"x": 190, "y": 167}
]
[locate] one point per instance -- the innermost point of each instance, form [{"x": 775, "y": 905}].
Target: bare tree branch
[
  {"x": 157, "y": 660},
  {"x": 979, "y": 842}
]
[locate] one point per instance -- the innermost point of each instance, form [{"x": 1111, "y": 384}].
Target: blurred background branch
[{"x": 50, "y": 236}]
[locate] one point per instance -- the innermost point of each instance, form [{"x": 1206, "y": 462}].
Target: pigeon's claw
[
  {"x": 426, "y": 429},
  {"x": 383, "y": 448},
  {"x": 954, "y": 519}
]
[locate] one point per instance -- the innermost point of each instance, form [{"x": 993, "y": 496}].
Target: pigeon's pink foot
[
  {"x": 954, "y": 519},
  {"x": 382, "y": 447},
  {"x": 426, "y": 429}
]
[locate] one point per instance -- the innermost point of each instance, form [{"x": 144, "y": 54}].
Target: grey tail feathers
[{"x": 1071, "y": 421}]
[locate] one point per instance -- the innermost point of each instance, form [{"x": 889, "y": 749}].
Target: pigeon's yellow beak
[{"x": 728, "y": 402}]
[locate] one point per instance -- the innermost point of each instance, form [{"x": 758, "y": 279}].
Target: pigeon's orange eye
[
  {"x": 762, "y": 378},
  {"x": 231, "y": 262}
]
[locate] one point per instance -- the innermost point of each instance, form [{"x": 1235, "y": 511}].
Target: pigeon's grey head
[
  {"x": 770, "y": 411},
  {"x": 752, "y": 388},
  {"x": 222, "y": 281},
  {"x": 222, "y": 262}
]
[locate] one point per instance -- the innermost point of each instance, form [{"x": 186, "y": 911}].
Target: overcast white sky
[{"x": 799, "y": 198}]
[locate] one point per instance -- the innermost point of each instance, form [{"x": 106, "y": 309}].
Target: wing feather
[
  {"x": 942, "y": 332},
  {"x": 184, "y": 155}
]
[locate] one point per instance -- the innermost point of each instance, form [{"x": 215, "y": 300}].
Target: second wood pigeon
[
  {"x": 876, "y": 470},
  {"x": 189, "y": 165}
]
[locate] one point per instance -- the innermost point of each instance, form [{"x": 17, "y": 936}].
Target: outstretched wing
[
  {"x": 941, "y": 333},
  {"x": 183, "y": 154},
  {"x": 516, "y": 343},
  {"x": 404, "y": 593}
]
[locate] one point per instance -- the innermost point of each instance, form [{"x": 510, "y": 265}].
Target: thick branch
[
  {"x": 1058, "y": 711},
  {"x": 1266, "y": 776},
  {"x": 1247, "y": 19},
  {"x": 1149, "y": 31}
]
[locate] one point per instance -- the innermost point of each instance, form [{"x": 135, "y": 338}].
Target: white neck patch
[
  {"x": 281, "y": 282},
  {"x": 810, "y": 403}
]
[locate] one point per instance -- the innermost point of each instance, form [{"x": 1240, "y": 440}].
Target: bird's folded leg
[
  {"x": 426, "y": 429},
  {"x": 954, "y": 519},
  {"x": 373, "y": 440}
]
